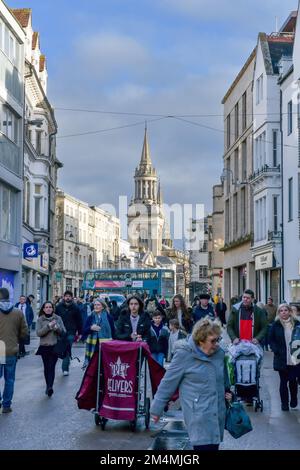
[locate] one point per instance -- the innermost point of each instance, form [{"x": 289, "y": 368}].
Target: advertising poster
[{"x": 7, "y": 281}]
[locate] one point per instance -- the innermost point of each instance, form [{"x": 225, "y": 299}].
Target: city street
[{"x": 38, "y": 422}]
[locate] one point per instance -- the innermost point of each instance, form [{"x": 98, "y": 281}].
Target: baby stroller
[{"x": 246, "y": 372}]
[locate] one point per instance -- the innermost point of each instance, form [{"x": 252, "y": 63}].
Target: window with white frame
[
  {"x": 260, "y": 219},
  {"x": 228, "y": 131},
  {"x": 38, "y": 206},
  {"x": 8, "y": 43},
  {"x": 289, "y": 117},
  {"x": 275, "y": 147},
  {"x": 67, "y": 260},
  {"x": 243, "y": 211},
  {"x": 259, "y": 89},
  {"x": 38, "y": 147},
  {"x": 202, "y": 271},
  {"x": 260, "y": 151},
  {"x": 9, "y": 124},
  {"x": 244, "y": 112},
  {"x": 275, "y": 213},
  {"x": 290, "y": 200},
  {"x": 236, "y": 121},
  {"x": 8, "y": 211},
  {"x": 26, "y": 207}
]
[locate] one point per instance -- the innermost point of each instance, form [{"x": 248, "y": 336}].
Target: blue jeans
[
  {"x": 159, "y": 357},
  {"x": 66, "y": 360},
  {"x": 9, "y": 372}
]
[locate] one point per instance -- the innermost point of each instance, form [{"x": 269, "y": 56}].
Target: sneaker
[
  {"x": 294, "y": 403},
  {"x": 6, "y": 410},
  {"x": 65, "y": 372},
  {"x": 285, "y": 407},
  {"x": 50, "y": 392}
]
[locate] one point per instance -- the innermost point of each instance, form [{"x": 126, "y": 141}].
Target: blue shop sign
[{"x": 30, "y": 250}]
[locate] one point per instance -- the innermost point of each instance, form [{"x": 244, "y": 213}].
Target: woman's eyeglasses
[{"x": 215, "y": 340}]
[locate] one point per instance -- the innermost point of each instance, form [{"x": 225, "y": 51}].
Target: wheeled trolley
[
  {"x": 247, "y": 388},
  {"x": 122, "y": 388}
]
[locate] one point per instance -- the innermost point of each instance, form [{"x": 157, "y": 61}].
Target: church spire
[{"x": 146, "y": 159}]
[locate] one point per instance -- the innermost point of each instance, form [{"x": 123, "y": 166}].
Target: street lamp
[{"x": 224, "y": 176}]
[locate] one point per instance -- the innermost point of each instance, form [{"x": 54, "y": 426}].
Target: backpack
[{"x": 151, "y": 306}]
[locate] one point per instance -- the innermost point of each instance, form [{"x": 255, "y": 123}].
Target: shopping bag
[
  {"x": 62, "y": 347},
  {"x": 295, "y": 346},
  {"x": 237, "y": 421}
]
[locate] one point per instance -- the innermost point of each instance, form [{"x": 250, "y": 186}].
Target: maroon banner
[
  {"x": 119, "y": 361},
  {"x": 116, "y": 393}
]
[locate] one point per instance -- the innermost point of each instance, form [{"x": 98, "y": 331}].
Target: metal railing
[{"x": 265, "y": 169}]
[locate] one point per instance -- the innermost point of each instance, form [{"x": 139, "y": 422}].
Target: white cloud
[{"x": 110, "y": 53}]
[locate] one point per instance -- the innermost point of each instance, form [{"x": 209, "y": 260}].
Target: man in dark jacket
[
  {"x": 204, "y": 308},
  {"x": 135, "y": 324},
  {"x": 221, "y": 309},
  {"x": 13, "y": 328},
  {"x": 71, "y": 317},
  {"x": 27, "y": 311},
  {"x": 247, "y": 321}
]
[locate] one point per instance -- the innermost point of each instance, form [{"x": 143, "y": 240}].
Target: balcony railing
[{"x": 266, "y": 169}]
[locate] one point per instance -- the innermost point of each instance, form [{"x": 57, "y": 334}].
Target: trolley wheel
[
  {"x": 103, "y": 423},
  {"x": 261, "y": 406},
  {"x": 133, "y": 425},
  {"x": 147, "y": 412},
  {"x": 97, "y": 419}
]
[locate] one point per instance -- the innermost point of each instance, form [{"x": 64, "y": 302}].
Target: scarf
[
  {"x": 103, "y": 335},
  {"x": 288, "y": 329}
]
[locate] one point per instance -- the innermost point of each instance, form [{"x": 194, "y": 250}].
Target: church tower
[{"x": 145, "y": 219}]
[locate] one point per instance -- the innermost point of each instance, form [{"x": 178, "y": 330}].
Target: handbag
[
  {"x": 62, "y": 347},
  {"x": 237, "y": 421}
]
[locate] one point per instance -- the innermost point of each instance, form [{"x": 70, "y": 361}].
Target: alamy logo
[{"x": 119, "y": 368}]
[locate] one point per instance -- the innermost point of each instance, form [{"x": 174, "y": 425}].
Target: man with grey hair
[{"x": 13, "y": 328}]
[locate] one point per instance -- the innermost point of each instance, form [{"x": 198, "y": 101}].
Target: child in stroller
[{"x": 246, "y": 373}]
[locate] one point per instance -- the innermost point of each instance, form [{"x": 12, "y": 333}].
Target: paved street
[{"x": 38, "y": 422}]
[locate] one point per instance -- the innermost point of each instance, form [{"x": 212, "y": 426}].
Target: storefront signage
[
  {"x": 45, "y": 261},
  {"x": 30, "y": 250},
  {"x": 264, "y": 261}
]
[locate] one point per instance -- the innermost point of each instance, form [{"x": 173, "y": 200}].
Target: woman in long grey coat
[{"x": 197, "y": 370}]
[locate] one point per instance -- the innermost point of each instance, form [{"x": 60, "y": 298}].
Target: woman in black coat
[{"x": 282, "y": 334}]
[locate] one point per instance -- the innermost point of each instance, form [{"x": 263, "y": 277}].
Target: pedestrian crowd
[{"x": 186, "y": 337}]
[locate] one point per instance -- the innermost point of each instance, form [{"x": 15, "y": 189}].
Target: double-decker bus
[{"x": 130, "y": 281}]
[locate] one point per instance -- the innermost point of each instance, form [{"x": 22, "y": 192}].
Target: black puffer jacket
[
  {"x": 71, "y": 317},
  {"x": 159, "y": 344},
  {"x": 278, "y": 345},
  {"x": 124, "y": 328}
]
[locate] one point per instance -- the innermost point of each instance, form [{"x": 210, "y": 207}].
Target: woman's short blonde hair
[
  {"x": 204, "y": 328},
  {"x": 104, "y": 304},
  {"x": 292, "y": 313}
]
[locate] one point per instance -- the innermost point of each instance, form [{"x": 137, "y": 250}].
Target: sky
[{"x": 151, "y": 58}]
